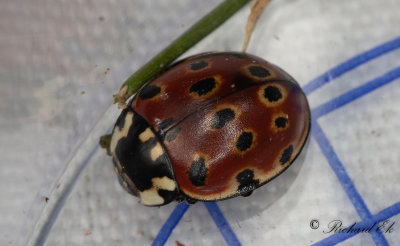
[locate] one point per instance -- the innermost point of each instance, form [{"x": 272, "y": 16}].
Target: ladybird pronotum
[{"x": 211, "y": 127}]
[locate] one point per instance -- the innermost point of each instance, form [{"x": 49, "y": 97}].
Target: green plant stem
[{"x": 188, "y": 39}]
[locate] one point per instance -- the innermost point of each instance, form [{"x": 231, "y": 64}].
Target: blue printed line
[
  {"x": 379, "y": 217},
  {"x": 356, "y": 93},
  {"x": 331, "y": 156},
  {"x": 170, "y": 224},
  {"x": 340, "y": 101},
  {"x": 344, "y": 178},
  {"x": 222, "y": 224},
  {"x": 351, "y": 64}
]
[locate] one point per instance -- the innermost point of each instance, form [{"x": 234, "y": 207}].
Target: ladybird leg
[
  {"x": 247, "y": 194},
  {"x": 180, "y": 197},
  {"x": 190, "y": 200}
]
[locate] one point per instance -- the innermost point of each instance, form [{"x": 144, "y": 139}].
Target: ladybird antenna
[{"x": 256, "y": 9}]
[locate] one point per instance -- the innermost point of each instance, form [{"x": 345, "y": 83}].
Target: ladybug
[{"x": 211, "y": 127}]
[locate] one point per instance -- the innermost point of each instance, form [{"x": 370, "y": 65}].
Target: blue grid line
[
  {"x": 344, "y": 179},
  {"x": 351, "y": 64},
  {"x": 170, "y": 224},
  {"x": 379, "y": 217},
  {"x": 329, "y": 152},
  {"x": 222, "y": 224},
  {"x": 308, "y": 88},
  {"x": 355, "y": 93}
]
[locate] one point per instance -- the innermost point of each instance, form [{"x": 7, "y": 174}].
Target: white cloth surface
[{"x": 61, "y": 61}]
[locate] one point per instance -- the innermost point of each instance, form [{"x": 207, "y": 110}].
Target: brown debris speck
[
  {"x": 179, "y": 243},
  {"x": 46, "y": 199}
]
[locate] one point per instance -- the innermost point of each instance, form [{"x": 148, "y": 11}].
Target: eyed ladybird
[{"x": 211, "y": 127}]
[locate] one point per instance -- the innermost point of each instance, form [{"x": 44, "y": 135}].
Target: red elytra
[{"x": 218, "y": 125}]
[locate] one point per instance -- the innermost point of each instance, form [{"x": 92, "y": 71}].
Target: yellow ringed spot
[
  {"x": 245, "y": 141},
  {"x": 205, "y": 87},
  {"x": 280, "y": 122},
  {"x": 259, "y": 72},
  {"x": 272, "y": 94}
]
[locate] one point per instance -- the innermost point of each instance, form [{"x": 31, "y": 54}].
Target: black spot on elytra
[
  {"x": 244, "y": 141},
  {"x": 222, "y": 117},
  {"x": 246, "y": 182},
  {"x": 198, "y": 172},
  {"x": 245, "y": 176},
  {"x": 287, "y": 153},
  {"x": 198, "y": 65},
  {"x": 149, "y": 92},
  {"x": 259, "y": 71},
  {"x": 203, "y": 86},
  {"x": 165, "y": 123},
  {"x": 172, "y": 134},
  {"x": 281, "y": 122},
  {"x": 272, "y": 93}
]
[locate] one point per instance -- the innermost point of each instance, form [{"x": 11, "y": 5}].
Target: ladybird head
[{"x": 141, "y": 162}]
